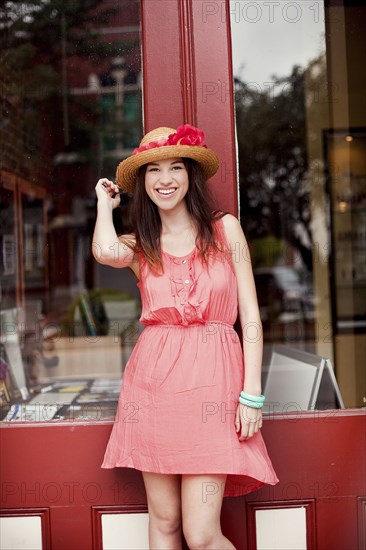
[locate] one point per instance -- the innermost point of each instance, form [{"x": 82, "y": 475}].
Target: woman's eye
[
  {"x": 153, "y": 169},
  {"x": 177, "y": 167}
]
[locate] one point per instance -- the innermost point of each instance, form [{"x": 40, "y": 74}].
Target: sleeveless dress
[{"x": 180, "y": 387}]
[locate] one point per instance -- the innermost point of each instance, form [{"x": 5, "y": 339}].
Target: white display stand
[
  {"x": 11, "y": 326},
  {"x": 298, "y": 380}
]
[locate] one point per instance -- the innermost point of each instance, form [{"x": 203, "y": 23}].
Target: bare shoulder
[{"x": 233, "y": 228}]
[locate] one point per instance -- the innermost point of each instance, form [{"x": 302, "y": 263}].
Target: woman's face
[{"x": 166, "y": 182}]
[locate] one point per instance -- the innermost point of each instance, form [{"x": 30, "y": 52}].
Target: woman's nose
[{"x": 165, "y": 177}]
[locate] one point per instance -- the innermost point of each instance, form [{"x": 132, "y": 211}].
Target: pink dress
[{"x": 180, "y": 387}]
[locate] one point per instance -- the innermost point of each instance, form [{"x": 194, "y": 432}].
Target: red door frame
[{"x": 53, "y": 469}]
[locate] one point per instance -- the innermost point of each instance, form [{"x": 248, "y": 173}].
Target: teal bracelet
[
  {"x": 250, "y": 403},
  {"x": 255, "y": 399}
]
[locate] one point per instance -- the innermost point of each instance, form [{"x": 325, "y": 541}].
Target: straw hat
[{"x": 164, "y": 143}]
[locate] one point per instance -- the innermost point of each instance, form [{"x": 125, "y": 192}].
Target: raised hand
[{"x": 108, "y": 193}]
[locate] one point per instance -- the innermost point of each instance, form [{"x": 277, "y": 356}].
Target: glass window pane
[
  {"x": 302, "y": 186},
  {"x": 71, "y": 111}
]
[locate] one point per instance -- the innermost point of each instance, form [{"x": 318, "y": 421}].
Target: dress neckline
[
  {"x": 189, "y": 253},
  {"x": 179, "y": 257}
]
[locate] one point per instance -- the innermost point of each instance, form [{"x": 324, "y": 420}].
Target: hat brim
[{"x": 127, "y": 169}]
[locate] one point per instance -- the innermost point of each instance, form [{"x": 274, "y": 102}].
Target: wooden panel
[
  {"x": 329, "y": 451},
  {"x": 71, "y": 524},
  {"x": 99, "y": 511},
  {"x": 161, "y": 64},
  {"x": 361, "y": 520},
  {"x": 337, "y": 520},
  {"x": 317, "y": 455},
  {"x": 308, "y": 505},
  {"x": 21, "y": 532},
  {"x": 42, "y": 513},
  {"x": 214, "y": 93}
]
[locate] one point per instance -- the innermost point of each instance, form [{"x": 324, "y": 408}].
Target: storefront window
[
  {"x": 301, "y": 149},
  {"x": 71, "y": 111}
]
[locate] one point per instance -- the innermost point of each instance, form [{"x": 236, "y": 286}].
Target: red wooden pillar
[{"x": 187, "y": 74}]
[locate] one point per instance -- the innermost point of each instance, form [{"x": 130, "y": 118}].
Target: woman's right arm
[{"x": 107, "y": 247}]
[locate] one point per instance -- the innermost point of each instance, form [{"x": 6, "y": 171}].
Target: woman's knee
[
  {"x": 167, "y": 521},
  {"x": 198, "y": 537},
  {"x": 201, "y": 509},
  {"x": 164, "y": 502}
]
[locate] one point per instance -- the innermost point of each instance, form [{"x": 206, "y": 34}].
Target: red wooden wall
[{"x": 319, "y": 458}]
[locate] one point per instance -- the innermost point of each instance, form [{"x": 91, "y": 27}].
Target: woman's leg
[
  {"x": 165, "y": 516},
  {"x": 201, "y": 509}
]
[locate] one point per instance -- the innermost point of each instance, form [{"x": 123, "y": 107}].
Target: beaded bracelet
[{"x": 252, "y": 404}]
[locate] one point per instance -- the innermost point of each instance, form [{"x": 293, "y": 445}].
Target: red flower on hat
[
  {"x": 187, "y": 135},
  {"x": 151, "y": 145}
]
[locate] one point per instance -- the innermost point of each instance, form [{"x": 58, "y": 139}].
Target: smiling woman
[
  {"x": 166, "y": 155},
  {"x": 189, "y": 356},
  {"x": 72, "y": 70},
  {"x": 166, "y": 180}
]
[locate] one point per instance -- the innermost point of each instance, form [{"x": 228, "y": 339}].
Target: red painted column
[
  {"x": 187, "y": 75},
  {"x": 161, "y": 64},
  {"x": 214, "y": 94}
]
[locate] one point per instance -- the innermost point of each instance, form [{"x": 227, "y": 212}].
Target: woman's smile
[
  {"x": 166, "y": 182},
  {"x": 166, "y": 192}
]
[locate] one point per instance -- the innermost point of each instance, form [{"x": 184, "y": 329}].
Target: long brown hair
[{"x": 146, "y": 223}]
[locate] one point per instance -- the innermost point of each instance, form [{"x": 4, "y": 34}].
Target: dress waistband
[{"x": 204, "y": 324}]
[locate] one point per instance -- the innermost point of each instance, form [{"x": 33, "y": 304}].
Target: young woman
[{"x": 187, "y": 417}]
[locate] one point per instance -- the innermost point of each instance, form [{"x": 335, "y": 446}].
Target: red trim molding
[
  {"x": 188, "y": 68},
  {"x": 361, "y": 520}
]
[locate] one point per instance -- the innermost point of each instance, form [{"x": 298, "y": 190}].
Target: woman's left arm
[{"x": 250, "y": 418}]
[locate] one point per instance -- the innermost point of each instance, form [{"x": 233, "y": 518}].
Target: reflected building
[
  {"x": 302, "y": 150},
  {"x": 58, "y": 137}
]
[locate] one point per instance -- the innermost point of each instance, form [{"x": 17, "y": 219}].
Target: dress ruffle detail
[{"x": 183, "y": 284}]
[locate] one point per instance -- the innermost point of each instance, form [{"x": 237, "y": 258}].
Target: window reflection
[
  {"x": 276, "y": 196},
  {"x": 71, "y": 110},
  {"x": 290, "y": 95}
]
